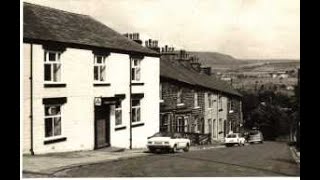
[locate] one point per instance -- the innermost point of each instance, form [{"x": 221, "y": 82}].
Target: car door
[{"x": 180, "y": 141}]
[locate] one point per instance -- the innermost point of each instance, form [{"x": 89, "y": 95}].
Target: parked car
[
  {"x": 234, "y": 138},
  {"x": 255, "y": 136},
  {"x": 168, "y": 141}
]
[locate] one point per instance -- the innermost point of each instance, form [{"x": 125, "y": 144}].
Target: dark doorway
[{"x": 102, "y": 126}]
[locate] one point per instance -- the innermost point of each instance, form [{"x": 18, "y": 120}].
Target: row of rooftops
[{"x": 46, "y": 25}]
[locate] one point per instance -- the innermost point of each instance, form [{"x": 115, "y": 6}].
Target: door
[
  {"x": 210, "y": 128},
  {"x": 102, "y": 126}
]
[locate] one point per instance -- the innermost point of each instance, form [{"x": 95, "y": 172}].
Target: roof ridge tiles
[{"x": 179, "y": 72}]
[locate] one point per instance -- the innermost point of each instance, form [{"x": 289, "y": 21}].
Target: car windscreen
[
  {"x": 231, "y": 136},
  {"x": 162, "y": 134},
  {"x": 254, "y": 133}
]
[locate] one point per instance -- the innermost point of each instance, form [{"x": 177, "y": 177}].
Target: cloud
[{"x": 241, "y": 28}]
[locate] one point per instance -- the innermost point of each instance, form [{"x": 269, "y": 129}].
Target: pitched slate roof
[
  {"x": 49, "y": 24},
  {"x": 179, "y": 72}
]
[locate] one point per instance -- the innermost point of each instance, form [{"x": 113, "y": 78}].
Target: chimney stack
[
  {"x": 134, "y": 37},
  {"x": 152, "y": 44}
]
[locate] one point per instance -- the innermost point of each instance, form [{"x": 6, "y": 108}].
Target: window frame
[
  {"x": 220, "y": 103},
  {"x": 196, "y": 100},
  {"x": 57, "y": 61},
  {"x": 231, "y": 106},
  {"x": 119, "y": 109},
  {"x": 165, "y": 123},
  {"x": 210, "y": 101},
  {"x": 134, "y": 69},
  {"x": 179, "y": 97},
  {"x": 100, "y": 66},
  {"x": 53, "y": 126},
  {"x": 136, "y": 108},
  {"x": 180, "y": 125}
]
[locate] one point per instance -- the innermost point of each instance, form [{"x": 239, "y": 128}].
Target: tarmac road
[{"x": 267, "y": 159}]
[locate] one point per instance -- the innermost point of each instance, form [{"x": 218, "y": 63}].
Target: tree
[{"x": 271, "y": 112}]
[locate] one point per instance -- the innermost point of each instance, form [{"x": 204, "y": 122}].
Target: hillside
[
  {"x": 214, "y": 58},
  {"x": 224, "y": 62}
]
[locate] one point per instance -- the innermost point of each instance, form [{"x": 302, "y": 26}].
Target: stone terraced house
[{"x": 193, "y": 101}]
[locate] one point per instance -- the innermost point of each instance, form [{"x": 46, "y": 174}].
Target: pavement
[{"x": 48, "y": 164}]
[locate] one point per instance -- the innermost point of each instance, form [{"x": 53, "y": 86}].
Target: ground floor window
[
  {"x": 180, "y": 124},
  {"x": 52, "y": 120},
  {"x": 136, "y": 110},
  {"x": 118, "y": 113}
]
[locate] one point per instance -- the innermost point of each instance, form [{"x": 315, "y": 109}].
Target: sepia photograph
[{"x": 160, "y": 88}]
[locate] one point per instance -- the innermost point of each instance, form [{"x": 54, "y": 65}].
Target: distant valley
[
  {"x": 222, "y": 62},
  {"x": 252, "y": 74}
]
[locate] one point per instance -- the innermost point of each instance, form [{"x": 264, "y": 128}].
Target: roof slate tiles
[{"x": 49, "y": 24}]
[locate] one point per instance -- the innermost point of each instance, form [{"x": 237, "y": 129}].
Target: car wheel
[
  {"x": 151, "y": 150},
  {"x": 174, "y": 149},
  {"x": 261, "y": 142},
  {"x": 186, "y": 149}
]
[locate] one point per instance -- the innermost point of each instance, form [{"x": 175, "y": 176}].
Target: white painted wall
[
  {"x": 78, "y": 112},
  {"x": 26, "y": 99},
  {"x": 150, "y": 72}
]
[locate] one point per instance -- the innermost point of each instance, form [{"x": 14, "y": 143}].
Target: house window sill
[
  {"x": 117, "y": 128},
  {"x": 55, "y": 85},
  {"x": 180, "y": 104},
  {"x": 51, "y": 141},
  {"x": 197, "y": 107},
  {"x": 137, "y": 124},
  {"x": 101, "y": 84},
  {"x": 161, "y": 101},
  {"x": 137, "y": 83}
]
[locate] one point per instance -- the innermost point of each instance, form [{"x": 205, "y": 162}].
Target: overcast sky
[{"x": 240, "y": 28}]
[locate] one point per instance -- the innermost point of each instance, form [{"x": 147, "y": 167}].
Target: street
[{"x": 267, "y": 159}]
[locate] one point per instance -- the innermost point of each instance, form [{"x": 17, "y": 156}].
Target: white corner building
[{"x": 80, "y": 79}]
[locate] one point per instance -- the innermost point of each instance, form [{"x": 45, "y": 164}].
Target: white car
[
  {"x": 234, "y": 138},
  {"x": 168, "y": 141}
]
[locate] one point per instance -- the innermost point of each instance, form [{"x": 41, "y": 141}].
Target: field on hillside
[{"x": 275, "y": 76}]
